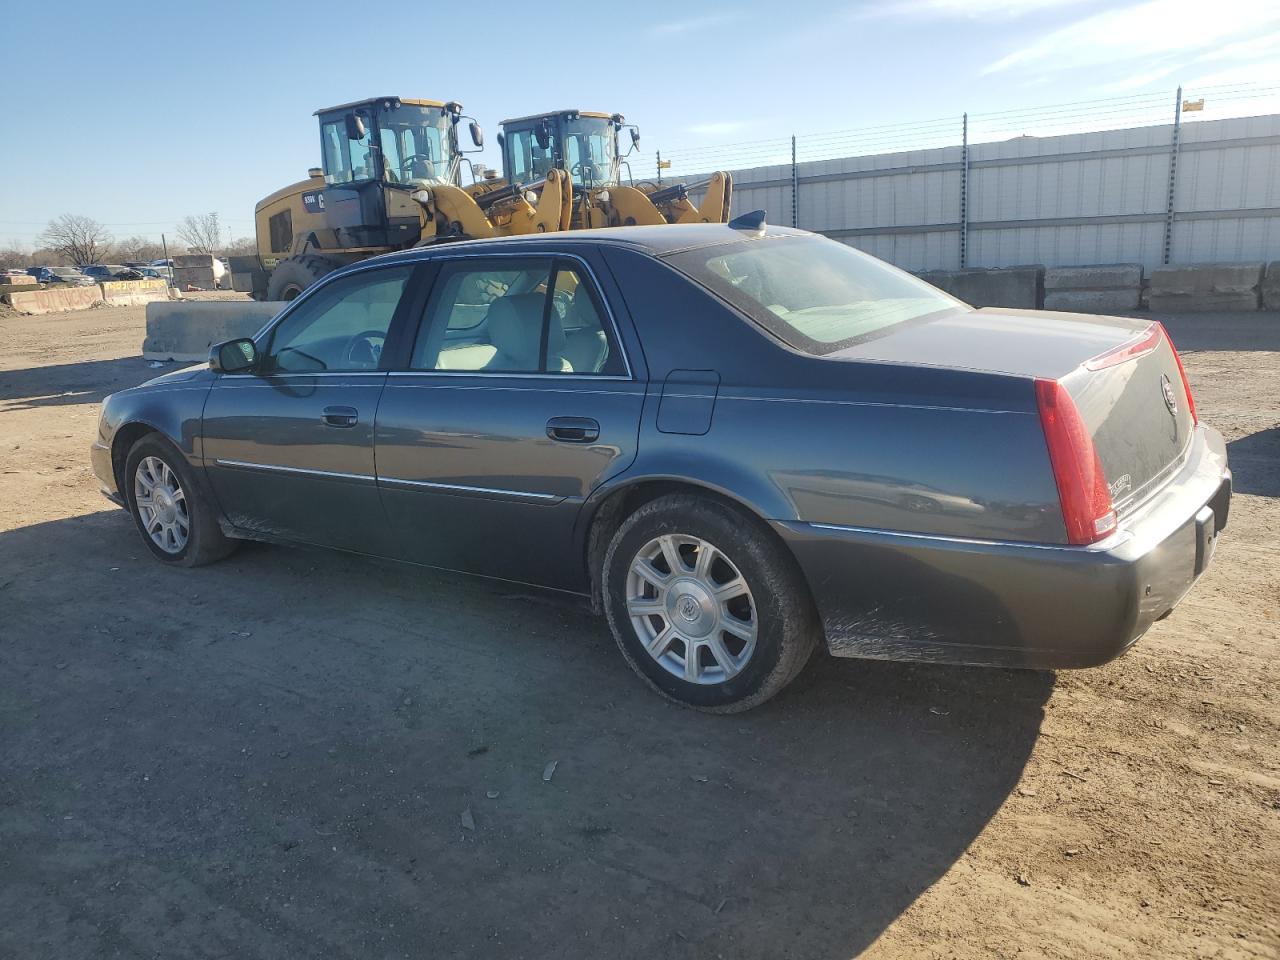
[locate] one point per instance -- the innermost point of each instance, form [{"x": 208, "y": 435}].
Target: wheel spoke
[
  {"x": 706, "y": 557},
  {"x": 661, "y": 641},
  {"x": 646, "y": 607},
  {"x": 734, "y": 588},
  {"x": 722, "y": 656},
  {"x": 672, "y": 553},
  {"x": 690, "y": 662},
  {"x": 741, "y": 629},
  {"x": 647, "y": 571}
]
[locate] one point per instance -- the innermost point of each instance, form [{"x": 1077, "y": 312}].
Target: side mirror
[
  {"x": 233, "y": 356},
  {"x": 543, "y": 135},
  {"x": 502, "y": 139},
  {"x": 635, "y": 136},
  {"x": 477, "y": 135},
  {"x": 355, "y": 127}
]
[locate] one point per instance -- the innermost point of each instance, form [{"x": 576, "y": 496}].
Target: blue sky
[{"x": 138, "y": 118}]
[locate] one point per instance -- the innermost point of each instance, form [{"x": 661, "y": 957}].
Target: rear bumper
[{"x": 905, "y": 596}]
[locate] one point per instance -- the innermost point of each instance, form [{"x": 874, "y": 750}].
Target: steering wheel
[
  {"x": 362, "y": 351},
  {"x": 407, "y": 161}
]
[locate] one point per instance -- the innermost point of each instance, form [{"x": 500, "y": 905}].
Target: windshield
[
  {"x": 813, "y": 293},
  {"x": 591, "y": 152},
  {"x": 410, "y": 145},
  {"x": 417, "y": 146}
]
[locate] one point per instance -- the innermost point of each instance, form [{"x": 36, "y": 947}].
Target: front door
[
  {"x": 289, "y": 448},
  {"x": 517, "y": 402}
]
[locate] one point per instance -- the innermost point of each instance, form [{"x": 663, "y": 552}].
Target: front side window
[
  {"x": 417, "y": 144},
  {"x": 341, "y": 327},
  {"x": 813, "y": 293},
  {"x": 535, "y": 315},
  {"x": 527, "y": 160},
  {"x": 345, "y": 161}
]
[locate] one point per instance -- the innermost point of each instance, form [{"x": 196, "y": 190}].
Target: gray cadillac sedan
[{"x": 739, "y": 441}]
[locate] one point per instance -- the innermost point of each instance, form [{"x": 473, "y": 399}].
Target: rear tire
[
  {"x": 706, "y": 605},
  {"x": 292, "y": 276},
  {"x": 169, "y": 508}
]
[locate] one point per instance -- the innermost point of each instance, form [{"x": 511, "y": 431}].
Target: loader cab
[
  {"x": 375, "y": 153},
  {"x": 390, "y": 140},
  {"x": 583, "y": 144}
]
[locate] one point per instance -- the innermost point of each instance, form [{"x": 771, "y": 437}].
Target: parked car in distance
[
  {"x": 68, "y": 275},
  {"x": 741, "y": 442},
  {"x": 110, "y": 271}
]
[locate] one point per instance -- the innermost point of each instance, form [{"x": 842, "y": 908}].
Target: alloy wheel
[
  {"x": 162, "y": 504},
  {"x": 691, "y": 608}
]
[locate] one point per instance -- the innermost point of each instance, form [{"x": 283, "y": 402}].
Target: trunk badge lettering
[
  {"x": 1120, "y": 485},
  {"x": 1170, "y": 398}
]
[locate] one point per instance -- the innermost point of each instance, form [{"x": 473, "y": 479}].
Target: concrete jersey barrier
[
  {"x": 997, "y": 287},
  {"x": 131, "y": 293},
  {"x": 1271, "y": 286},
  {"x": 1200, "y": 287},
  {"x": 1096, "y": 289},
  {"x": 185, "y": 329},
  {"x": 54, "y": 299}
]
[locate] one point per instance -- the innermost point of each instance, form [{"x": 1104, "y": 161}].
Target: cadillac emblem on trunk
[{"x": 1170, "y": 398}]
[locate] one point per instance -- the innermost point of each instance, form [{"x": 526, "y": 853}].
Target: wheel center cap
[
  {"x": 164, "y": 506},
  {"x": 691, "y": 608}
]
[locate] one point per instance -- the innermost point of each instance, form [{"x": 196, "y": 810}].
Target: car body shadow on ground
[
  {"x": 72, "y": 383},
  {"x": 348, "y": 760},
  {"x": 1253, "y": 462}
]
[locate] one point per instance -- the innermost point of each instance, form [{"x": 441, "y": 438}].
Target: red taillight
[
  {"x": 1082, "y": 484},
  {"x": 1186, "y": 385},
  {"x": 1144, "y": 342}
]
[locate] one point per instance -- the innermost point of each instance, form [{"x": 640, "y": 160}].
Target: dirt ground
[{"x": 304, "y": 754}]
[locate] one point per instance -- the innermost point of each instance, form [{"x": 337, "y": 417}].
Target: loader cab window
[
  {"x": 345, "y": 161},
  {"x": 590, "y": 151},
  {"x": 417, "y": 144}
]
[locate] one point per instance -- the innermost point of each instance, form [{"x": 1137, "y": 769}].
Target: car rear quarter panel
[{"x": 851, "y": 443}]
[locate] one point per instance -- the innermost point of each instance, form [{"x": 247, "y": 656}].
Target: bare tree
[
  {"x": 82, "y": 240},
  {"x": 14, "y": 258},
  {"x": 139, "y": 249},
  {"x": 201, "y": 233},
  {"x": 242, "y": 247}
]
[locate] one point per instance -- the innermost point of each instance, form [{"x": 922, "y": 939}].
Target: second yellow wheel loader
[{"x": 585, "y": 145}]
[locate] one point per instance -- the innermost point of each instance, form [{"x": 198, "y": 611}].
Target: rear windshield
[{"x": 812, "y": 293}]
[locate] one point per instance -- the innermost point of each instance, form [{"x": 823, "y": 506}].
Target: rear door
[
  {"x": 516, "y": 402},
  {"x": 289, "y": 449}
]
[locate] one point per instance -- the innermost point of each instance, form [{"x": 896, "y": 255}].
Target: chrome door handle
[
  {"x": 573, "y": 429},
  {"x": 341, "y": 416}
]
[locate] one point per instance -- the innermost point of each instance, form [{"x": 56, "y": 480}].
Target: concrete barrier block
[
  {"x": 1093, "y": 289},
  {"x": 1122, "y": 276},
  {"x": 1092, "y": 301},
  {"x": 1271, "y": 286},
  {"x": 194, "y": 260},
  {"x": 1200, "y": 287},
  {"x": 998, "y": 287},
  {"x": 196, "y": 276},
  {"x": 186, "y": 329},
  {"x": 54, "y": 299},
  {"x": 131, "y": 293},
  {"x": 21, "y": 282}
]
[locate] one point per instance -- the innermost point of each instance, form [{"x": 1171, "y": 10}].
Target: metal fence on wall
[{"x": 1147, "y": 192}]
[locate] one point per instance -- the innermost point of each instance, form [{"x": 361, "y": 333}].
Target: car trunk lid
[{"x": 1122, "y": 374}]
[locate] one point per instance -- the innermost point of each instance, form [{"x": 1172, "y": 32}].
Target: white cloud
[
  {"x": 1155, "y": 30},
  {"x": 691, "y": 25}
]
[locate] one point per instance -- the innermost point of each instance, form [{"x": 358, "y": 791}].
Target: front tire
[
  {"x": 292, "y": 276},
  {"x": 706, "y": 605},
  {"x": 172, "y": 514}
]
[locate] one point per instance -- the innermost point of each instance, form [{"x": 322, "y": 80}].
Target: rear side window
[
  {"x": 535, "y": 315},
  {"x": 812, "y": 293}
]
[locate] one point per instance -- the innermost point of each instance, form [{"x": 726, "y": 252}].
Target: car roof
[{"x": 656, "y": 241}]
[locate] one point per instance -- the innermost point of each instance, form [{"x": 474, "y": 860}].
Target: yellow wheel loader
[{"x": 585, "y": 146}]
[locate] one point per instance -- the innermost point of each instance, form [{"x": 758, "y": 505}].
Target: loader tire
[{"x": 292, "y": 276}]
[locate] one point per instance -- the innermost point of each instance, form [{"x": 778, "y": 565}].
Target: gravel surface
[{"x": 304, "y": 754}]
